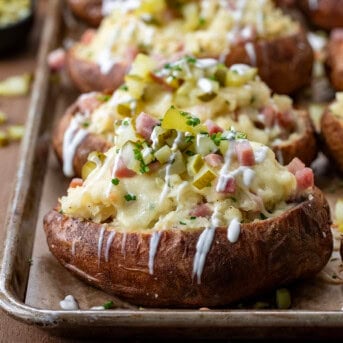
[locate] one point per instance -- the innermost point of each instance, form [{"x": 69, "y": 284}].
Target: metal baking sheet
[{"x": 32, "y": 282}]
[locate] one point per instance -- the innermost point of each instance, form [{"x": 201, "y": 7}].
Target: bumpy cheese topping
[
  {"x": 179, "y": 178},
  {"x": 202, "y": 28},
  {"x": 337, "y": 106},
  {"x": 232, "y": 96}
]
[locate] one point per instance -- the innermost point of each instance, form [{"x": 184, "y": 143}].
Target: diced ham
[
  {"x": 88, "y": 102},
  {"x": 76, "y": 182},
  {"x": 57, "y": 59},
  {"x": 88, "y": 36},
  {"x": 212, "y": 127},
  {"x": 269, "y": 116},
  {"x": 285, "y": 120},
  {"x": 230, "y": 186},
  {"x": 154, "y": 166},
  {"x": 295, "y": 165},
  {"x": 122, "y": 171},
  {"x": 145, "y": 125},
  {"x": 131, "y": 53},
  {"x": 305, "y": 178},
  {"x": 214, "y": 160},
  {"x": 201, "y": 210},
  {"x": 245, "y": 153}
]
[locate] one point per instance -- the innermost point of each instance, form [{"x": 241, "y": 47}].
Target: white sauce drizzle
[
  {"x": 109, "y": 244},
  {"x": 100, "y": 241},
  {"x": 154, "y": 240},
  {"x": 124, "y": 5},
  {"x": 204, "y": 63},
  {"x": 240, "y": 68},
  {"x": 234, "y": 230},
  {"x": 223, "y": 177},
  {"x": 73, "y": 136},
  {"x": 205, "y": 85},
  {"x": 69, "y": 303},
  {"x": 260, "y": 154},
  {"x": 250, "y": 49}
]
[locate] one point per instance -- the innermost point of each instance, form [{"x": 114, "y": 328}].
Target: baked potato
[
  {"x": 256, "y": 34},
  {"x": 335, "y": 58},
  {"x": 325, "y": 14},
  {"x": 332, "y": 131},
  {"x": 224, "y": 96},
  {"x": 198, "y": 222},
  {"x": 89, "y": 11}
]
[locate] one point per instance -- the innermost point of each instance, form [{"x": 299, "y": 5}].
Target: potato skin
[
  {"x": 87, "y": 10},
  {"x": 91, "y": 142},
  {"x": 304, "y": 147},
  {"x": 88, "y": 77},
  {"x": 334, "y": 61},
  {"x": 269, "y": 253},
  {"x": 284, "y": 63},
  {"x": 327, "y": 15},
  {"x": 332, "y": 133}
]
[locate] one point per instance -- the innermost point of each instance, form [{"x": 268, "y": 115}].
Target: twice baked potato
[
  {"x": 332, "y": 131},
  {"x": 334, "y": 60},
  {"x": 174, "y": 216},
  {"x": 224, "y": 96},
  {"x": 256, "y": 34},
  {"x": 88, "y": 10},
  {"x": 325, "y": 14}
]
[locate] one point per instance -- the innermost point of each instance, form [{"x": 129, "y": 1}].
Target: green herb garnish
[
  {"x": 182, "y": 223},
  {"x": 262, "y": 216},
  {"x": 104, "y": 97},
  {"x": 193, "y": 121},
  {"x": 108, "y": 305},
  {"x": 124, "y": 88},
  {"x": 115, "y": 181},
  {"x": 130, "y": 197}
]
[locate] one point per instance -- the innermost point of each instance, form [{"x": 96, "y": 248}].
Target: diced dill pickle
[
  {"x": 136, "y": 85},
  {"x": 223, "y": 146},
  {"x": 204, "y": 177},
  {"x": 194, "y": 164},
  {"x": 151, "y": 7},
  {"x": 205, "y": 145},
  {"x": 15, "y": 132},
  {"x": 159, "y": 136},
  {"x": 220, "y": 76},
  {"x": 97, "y": 157},
  {"x": 237, "y": 79},
  {"x": 3, "y": 117},
  {"x": 124, "y": 109},
  {"x": 3, "y": 138},
  {"x": 147, "y": 155},
  {"x": 177, "y": 164},
  {"x": 181, "y": 121},
  {"x": 205, "y": 97},
  {"x": 283, "y": 299},
  {"x": 142, "y": 66},
  {"x": 129, "y": 157},
  {"x": 87, "y": 168},
  {"x": 162, "y": 155}
]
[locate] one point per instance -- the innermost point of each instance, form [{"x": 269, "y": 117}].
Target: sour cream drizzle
[
  {"x": 109, "y": 244},
  {"x": 124, "y": 5},
  {"x": 154, "y": 240},
  {"x": 250, "y": 49},
  {"x": 73, "y": 137},
  {"x": 204, "y": 244},
  {"x": 69, "y": 303},
  {"x": 223, "y": 174},
  {"x": 100, "y": 241},
  {"x": 233, "y": 230}
]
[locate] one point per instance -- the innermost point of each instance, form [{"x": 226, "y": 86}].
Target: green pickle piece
[
  {"x": 204, "y": 177},
  {"x": 194, "y": 164}
]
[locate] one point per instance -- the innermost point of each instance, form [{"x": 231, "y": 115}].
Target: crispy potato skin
[
  {"x": 332, "y": 133},
  {"x": 87, "y": 75},
  {"x": 270, "y": 253},
  {"x": 87, "y": 10},
  {"x": 304, "y": 147},
  {"x": 334, "y": 62},
  {"x": 91, "y": 142},
  {"x": 285, "y": 63},
  {"x": 327, "y": 15}
]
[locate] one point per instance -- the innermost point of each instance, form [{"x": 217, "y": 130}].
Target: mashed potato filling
[
  {"x": 337, "y": 106},
  {"x": 157, "y": 177},
  {"x": 165, "y": 28}
]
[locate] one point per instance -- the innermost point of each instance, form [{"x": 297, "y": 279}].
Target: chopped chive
[
  {"x": 182, "y": 223},
  {"x": 108, "y": 305},
  {"x": 192, "y": 218},
  {"x": 115, "y": 181},
  {"x": 130, "y": 197}
]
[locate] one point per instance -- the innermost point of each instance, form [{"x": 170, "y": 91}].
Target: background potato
[
  {"x": 268, "y": 254},
  {"x": 87, "y": 10}
]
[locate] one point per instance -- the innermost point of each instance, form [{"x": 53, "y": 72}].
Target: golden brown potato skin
[
  {"x": 304, "y": 147},
  {"x": 285, "y": 63},
  {"x": 332, "y": 134},
  {"x": 334, "y": 60},
  {"x": 87, "y": 10},
  {"x": 270, "y": 253},
  {"x": 87, "y": 75},
  {"x": 328, "y": 14},
  {"x": 91, "y": 142}
]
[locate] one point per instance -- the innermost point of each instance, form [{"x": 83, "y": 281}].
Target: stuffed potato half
[
  {"x": 221, "y": 96},
  {"x": 190, "y": 225},
  {"x": 247, "y": 32}
]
